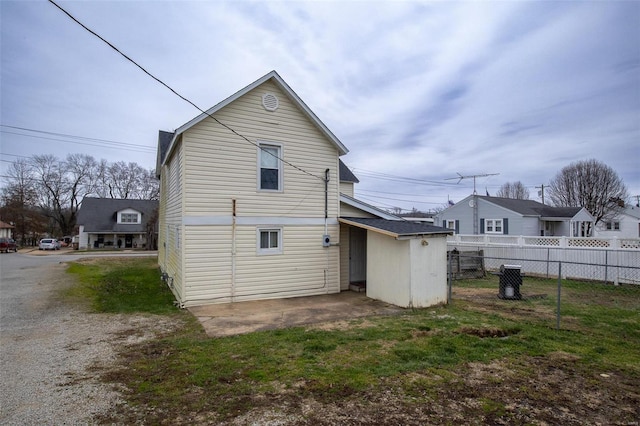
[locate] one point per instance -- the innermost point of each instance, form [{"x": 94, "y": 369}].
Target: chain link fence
[{"x": 558, "y": 288}]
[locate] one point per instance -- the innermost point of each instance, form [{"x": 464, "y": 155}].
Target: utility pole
[
  {"x": 474, "y": 202},
  {"x": 541, "y": 192}
]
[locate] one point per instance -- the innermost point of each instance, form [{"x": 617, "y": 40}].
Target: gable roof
[
  {"x": 532, "y": 208},
  {"x": 346, "y": 175},
  {"x": 633, "y": 211},
  {"x": 396, "y": 228},
  {"x": 4, "y": 225},
  {"x": 98, "y": 214},
  {"x": 164, "y": 140},
  {"x": 278, "y": 81}
]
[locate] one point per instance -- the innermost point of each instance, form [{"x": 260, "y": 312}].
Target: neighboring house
[
  {"x": 6, "y": 230},
  {"x": 625, "y": 224},
  {"x": 478, "y": 214},
  {"x": 255, "y": 204},
  {"x": 118, "y": 223}
]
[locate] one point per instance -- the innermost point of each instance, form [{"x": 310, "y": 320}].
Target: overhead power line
[
  {"x": 386, "y": 176},
  {"x": 178, "y": 94},
  {"x": 76, "y": 139}
]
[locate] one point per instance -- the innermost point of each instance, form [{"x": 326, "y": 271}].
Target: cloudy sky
[{"x": 418, "y": 91}]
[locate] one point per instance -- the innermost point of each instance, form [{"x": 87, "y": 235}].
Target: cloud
[{"x": 419, "y": 89}]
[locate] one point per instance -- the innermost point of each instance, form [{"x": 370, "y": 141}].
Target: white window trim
[
  {"x": 269, "y": 251},
  {"x": 280, "y": 167},
  {"x": 451, "y": 224},
  {"x": 494, "y": 223},
  {"x": 138, "y": 220}
]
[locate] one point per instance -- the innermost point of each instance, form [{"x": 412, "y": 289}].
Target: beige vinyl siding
[
  {"x": 214, "y": 155},
  {"x": 171, "y": 226},
  {"x": 162, "y": 213},
  {"x": 350, "y": 211},
  {"x": 208, "y": 264},
  {"x": 304, "y": 268},
  {"x": 346, "y": 188}
]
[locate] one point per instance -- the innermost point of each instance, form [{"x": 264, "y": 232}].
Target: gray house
[
  {"x": 118, "y": 223},
  {"x": 478, "y": 214}
]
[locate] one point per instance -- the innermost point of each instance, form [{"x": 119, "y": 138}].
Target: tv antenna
[{"x": 460, "y": 177}]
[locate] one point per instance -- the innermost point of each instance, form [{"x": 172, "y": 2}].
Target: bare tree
[
  {"x": 149, "y": 186},
  {"x": 48, "y": 187},
  {"x": 61, "y": 186},
  {"x": 19, "y": 201},
  {"x": 515, "y": 190},
  {"x": 589, "y": 184}
]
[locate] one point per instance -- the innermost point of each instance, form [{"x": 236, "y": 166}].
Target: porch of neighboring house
[{"x": 115, "y": 240}]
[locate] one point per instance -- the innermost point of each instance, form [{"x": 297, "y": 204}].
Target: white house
[
  {"x": 479, "y": 214},
  {"x": 626, "y": 224},
  {"x": 6, "y": 230},
  {"x": 255, "y": 204}
]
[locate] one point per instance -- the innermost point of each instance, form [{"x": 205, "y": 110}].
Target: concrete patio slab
[{"x": 245, "y": 317}]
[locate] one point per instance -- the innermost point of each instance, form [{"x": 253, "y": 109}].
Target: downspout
[
  {"x": 326, "y": 217},
  {"x": 233, "y": 250},
  {"x": 326, "y": 200}
]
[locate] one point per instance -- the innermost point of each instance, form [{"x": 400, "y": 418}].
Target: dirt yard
[{"x": 553, "y": 389}]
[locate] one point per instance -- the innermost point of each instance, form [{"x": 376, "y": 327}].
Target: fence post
[
  {"x": 449, "y": 277},
  {"x": 559, "y": 295}
]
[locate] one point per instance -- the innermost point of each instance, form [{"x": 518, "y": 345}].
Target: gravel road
[{"x": 49, "y": 350}]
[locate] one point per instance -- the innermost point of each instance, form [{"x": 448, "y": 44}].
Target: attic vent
[{"x": 270, "y": 102}]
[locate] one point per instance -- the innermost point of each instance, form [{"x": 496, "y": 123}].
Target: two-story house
[{"x": 256, "y": 204}]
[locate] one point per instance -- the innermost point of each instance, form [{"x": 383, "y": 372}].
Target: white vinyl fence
[{"x": 610, "y": 260}]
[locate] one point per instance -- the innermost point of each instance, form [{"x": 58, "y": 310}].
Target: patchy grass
[
  {"x": 122, "y": 285},
  {"x": 469, "y": 362}
]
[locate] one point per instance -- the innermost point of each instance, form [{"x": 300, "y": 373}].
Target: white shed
[{"x": 406, "y": 262}]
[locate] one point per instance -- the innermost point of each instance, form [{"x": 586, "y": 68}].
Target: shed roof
[
  {"x": 361, "y": 205},
  {"x": 99, "y": 214},
  {"x": 396, "y": 228}
]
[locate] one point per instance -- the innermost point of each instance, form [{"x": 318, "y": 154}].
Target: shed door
[{"x": 357, "y": 254}]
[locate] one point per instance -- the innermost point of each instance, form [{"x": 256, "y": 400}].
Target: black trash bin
[{"x": 510, "y": 282}]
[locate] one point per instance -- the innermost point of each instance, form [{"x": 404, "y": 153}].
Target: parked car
[
  {"x": 7, "y": 245},
  {"x": 49, "y": 244}
]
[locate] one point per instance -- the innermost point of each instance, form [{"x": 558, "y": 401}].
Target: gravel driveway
[{"x": 49, "y": 350}]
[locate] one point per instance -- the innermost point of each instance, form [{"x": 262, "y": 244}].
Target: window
[
  {"x": 451, "y": 224},
  {"x": 129, "y": 218},
  {"x": 270, "y": 178},
  {"x": 493, "y": 226},
  {"x": 613, "y": 226},
  {"x": 269, "y": 241}
]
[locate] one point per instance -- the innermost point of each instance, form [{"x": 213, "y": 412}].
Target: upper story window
[
  {"x": 493, "y": 226},
  {"x": 270, "y": 165},
  {"x": 129, "y": 217}
]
